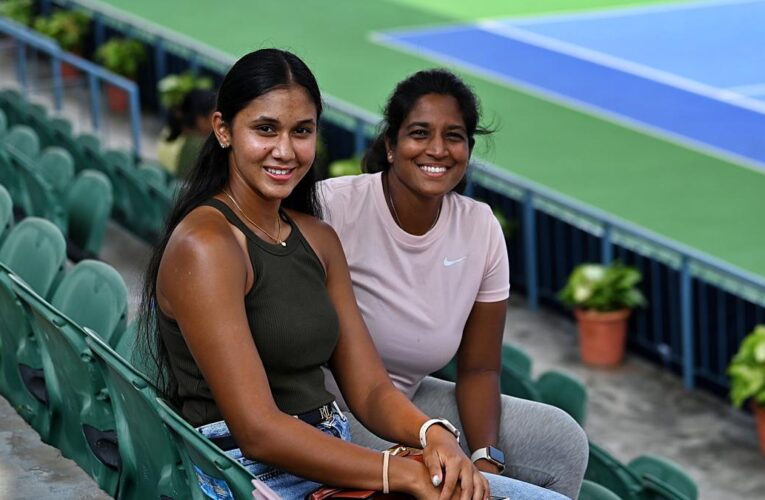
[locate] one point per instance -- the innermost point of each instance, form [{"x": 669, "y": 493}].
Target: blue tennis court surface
[{"x": 694, "y": 73}]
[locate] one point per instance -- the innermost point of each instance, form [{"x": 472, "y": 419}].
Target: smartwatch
[
  {"x": 490, "y": 454},
  {"x": 440, "y": 421}
]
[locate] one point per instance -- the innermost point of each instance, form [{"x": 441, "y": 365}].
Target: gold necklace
[
  {"x": 278, "y": 221},
  {"x": 393, "y": 208}
]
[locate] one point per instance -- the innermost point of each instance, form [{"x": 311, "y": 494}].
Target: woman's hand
[{"x": 451, "y": 469}]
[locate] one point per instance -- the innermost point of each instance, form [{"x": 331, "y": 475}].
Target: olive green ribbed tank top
[{"x": 293, "y": 323}]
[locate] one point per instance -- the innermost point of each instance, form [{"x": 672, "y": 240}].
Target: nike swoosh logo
[{"x": 449, "y": 263}]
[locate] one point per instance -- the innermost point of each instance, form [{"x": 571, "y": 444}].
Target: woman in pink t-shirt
[{"x": 430, "y": 273}]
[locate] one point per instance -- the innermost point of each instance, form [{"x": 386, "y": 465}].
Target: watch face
[{"x": 496, "y": 455}]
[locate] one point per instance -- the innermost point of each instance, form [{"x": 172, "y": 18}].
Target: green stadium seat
[
  {"x": 35, "y": 252},
  {"x": 605, "y": 470},
  {"x": 519, "y": 386},
  {"x": 516, "y": 359},
  {"x": 11, "y": 102},
  {"x": 144, "y": 220},
  {"x": 200, "y": 455},
  {"x": 94, "y": 296},
  {"x": 110, "y": 163},
  {"x": 154, "y": 175},
  {"x": 6, "y": 213},
  {"x": 652, "y": 468},
  {"x": 128, "y": 348},
  {"x": 23, "y": 140},
  {"x": 565, "y": 392},
  {"x": 42, "y": 200},
  {"x": 56, "y": 166},
  {"x": 88, "y": 206},
  {"x": 3, "y": 123},
  {"x": 150, "y": 461},
  {"x": 448, "y": 372},
  {"x": 594, "y": 491}
]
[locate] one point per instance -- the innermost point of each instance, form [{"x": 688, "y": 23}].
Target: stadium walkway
[{"x": 634, "y": 409}]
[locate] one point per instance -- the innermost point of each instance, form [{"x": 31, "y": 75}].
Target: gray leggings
[{"x": 542, "y": 444}]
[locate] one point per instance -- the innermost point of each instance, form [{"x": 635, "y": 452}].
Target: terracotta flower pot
[
  {"x": 602, "y": 336},
  {"x": 759, "y": 417},
  {"x": 117, "y": 99},
  {"x": 68, "y": 71}
]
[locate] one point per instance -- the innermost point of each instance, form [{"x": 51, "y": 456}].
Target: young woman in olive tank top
[{"x": 248, "y": 295}]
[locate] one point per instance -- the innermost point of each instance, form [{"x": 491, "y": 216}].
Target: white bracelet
[
  {"x": 386, "y": 462},
  {"x": 440, "y": 421}
]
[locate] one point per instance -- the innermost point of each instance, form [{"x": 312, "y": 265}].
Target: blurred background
[{"x": 627, "y": 131}]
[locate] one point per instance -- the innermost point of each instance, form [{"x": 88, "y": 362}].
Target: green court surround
[{"x": 693, "y": 198}]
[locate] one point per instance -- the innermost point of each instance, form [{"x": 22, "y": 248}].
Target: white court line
[
  {"x": 749, "y": 90},
  {"x": 624, "y": 11},
  {"x": 571, "y": 103},
  {"x": 623, "y": 65}
]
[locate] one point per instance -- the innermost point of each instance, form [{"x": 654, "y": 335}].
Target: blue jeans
[{"x": 286, "y": 485}]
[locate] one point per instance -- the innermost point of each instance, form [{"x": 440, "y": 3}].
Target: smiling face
[
  {"x": 272, "y": 141},
  {"x": 431, "y": 152}
]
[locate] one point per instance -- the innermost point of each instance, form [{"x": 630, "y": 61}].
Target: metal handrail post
[
  {"x": 94, "y": 91},
  {"x": 530, "y": 248},
  {"x": 135, "y": 120},
  {"x": 58, "y": 87},
  {"x": 359, "y": 139},
  {"x": 686, "y": 322},
  {"x": 21, "y": 66},
  {"x": 606, "y": 245}
]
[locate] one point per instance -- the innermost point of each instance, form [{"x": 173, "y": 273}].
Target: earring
[
  {"x": 223, "y": 145},
  {"x": 390, "y": 157}
]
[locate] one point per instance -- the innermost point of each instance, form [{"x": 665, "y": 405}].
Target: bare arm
[
  {"x": 202, "y": 282},
  {"x": 479, "y": 364},
  {"x": 365, "y": 384}
]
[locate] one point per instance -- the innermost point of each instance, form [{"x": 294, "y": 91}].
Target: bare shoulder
[{"x": 202, "y": 250}]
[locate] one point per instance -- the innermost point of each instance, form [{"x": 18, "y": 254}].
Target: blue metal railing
[
  {"x": 699, "y": 306},
  {"x": 96, "y": 74}
]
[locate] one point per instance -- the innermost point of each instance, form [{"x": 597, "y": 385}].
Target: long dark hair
[
  {"x": 405, "y": 97},
  {"x": 251, "y": 76},
  {"x": 197, "y": 103}
]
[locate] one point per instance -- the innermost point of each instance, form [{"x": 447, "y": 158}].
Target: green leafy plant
[
  {"x": 747, "y": 369},
  {"x": 173, "y": 88},
  {"x": 19, "y": 11},
  {"x": 603, "y": 288},
  {"x": 67, "y": 27},
  {"x": 122, "y": 56}
]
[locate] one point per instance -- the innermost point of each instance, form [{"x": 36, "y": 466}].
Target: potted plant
[
  {"x": 19, "y": 11},
  {"x": 69, "y": 28},
  {"x": 173, "y": 88},
  {"x": 122, "y": 56},
  {"x": 602, "y": 298},
  {"x": 747, "y": 377}
]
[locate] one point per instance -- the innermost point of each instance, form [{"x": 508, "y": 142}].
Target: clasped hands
[{"x": 451, "y": 470}]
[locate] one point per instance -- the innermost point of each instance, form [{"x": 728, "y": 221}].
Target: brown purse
[{"x": 329, "y": 492}]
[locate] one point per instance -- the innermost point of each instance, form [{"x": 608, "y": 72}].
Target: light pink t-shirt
[{"x": 415, "y": 292}]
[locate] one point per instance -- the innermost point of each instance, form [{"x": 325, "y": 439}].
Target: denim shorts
[{"x": 286, "y": 485}]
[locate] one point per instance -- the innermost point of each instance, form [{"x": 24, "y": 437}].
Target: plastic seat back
[
  {"x": 41, "y": 199},
  {"x": 516, "y": 359},
  {"x": 56, "y": 166},
  {"x": 594, "y": 491},
  {"x": 605, "y": 470},
  {"x": 3, "y": 123},
  {"x": 6, "y": 213},
  {"x": 128, "y": 348},
  {"x": 150, "y": 461},
  {"x": 94, "y": 295},
  {"x": 448, "y": 372},
  {"x": 88, "y": 206},
  {"x": 519, "y": 386},
  {"x": 35, "y": 252},
  {"x": 656, "y": 470},
  {"x": 202, "y": 459},
  {"x": 116, "y": 164},
  {"x": 23, "y": 140},
  {"x": 81, "y": 416},
  {"x": 565, "y": 392}
]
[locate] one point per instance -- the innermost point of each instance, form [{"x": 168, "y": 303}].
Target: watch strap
[
  {"x": 437, "y": 421},
  {"x": 485, "y": 454}
]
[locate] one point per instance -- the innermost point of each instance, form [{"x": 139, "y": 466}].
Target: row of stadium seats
[
  {"x": 66, "y": 367},
  {"x": 646, "y": 477},
  {"x": 44, "y": 185},
  {"x": 142, "y": 193}
]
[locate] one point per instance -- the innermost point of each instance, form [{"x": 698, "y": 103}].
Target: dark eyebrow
[
  {"x": 427, "y": 125},
  {"x": 268, "y": 119}
]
